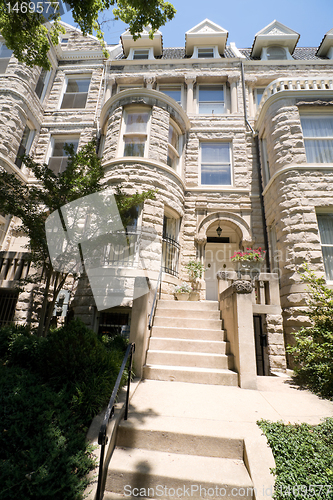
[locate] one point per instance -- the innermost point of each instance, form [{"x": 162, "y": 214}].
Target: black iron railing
[
  {"x": 170, "y": 255},
  {"x": 102, "y": 437},
  {"x": 153, "y": 307}
]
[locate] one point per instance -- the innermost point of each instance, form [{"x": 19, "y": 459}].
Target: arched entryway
[{"x": 219, "y": 236}]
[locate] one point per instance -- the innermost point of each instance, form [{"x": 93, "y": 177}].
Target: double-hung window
[
  {"x": 76, "y": 93},
  {"x": 135, "y": 132},
  {"x": 25, "y": 145},
  {"x": 211, "y": 99},
  {"x": 59, "y": 157},
  {"x": 216, "y": 163},
  {"x": 5, "y": 55},
  {"x": 42, "y": 83},
  {"x": 174, "y": 91},
  {"x": 204, "y": 52},
  {"x": 325, "y": 225},
  {"x": 141, "y": 54},
  {"x": 173, "y": 147},
  {"x": 318, "y": 138}
]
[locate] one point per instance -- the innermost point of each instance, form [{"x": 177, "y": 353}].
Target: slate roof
[{"x": 300, "y": 54}]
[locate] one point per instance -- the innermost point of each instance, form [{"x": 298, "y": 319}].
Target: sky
[{"x": 241, "y": 18}]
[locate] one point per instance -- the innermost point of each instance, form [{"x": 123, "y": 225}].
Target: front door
[{"x": 217, "y": 258}]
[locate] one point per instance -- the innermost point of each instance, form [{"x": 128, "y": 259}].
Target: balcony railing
[
  {"x": 170, "y": 255},
  {"x": 13, "y": 266},
  {"x": 295, "y": 84}
]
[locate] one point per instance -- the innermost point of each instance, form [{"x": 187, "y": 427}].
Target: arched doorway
[{"x": 220, "y": 247}]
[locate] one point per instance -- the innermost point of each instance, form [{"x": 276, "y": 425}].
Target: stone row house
[{"x": 238, "y": 143}]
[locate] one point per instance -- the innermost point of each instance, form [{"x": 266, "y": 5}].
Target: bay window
[
  {"x": 216, "y": 163},
  {"x": 135, "y": 132},
  {"x": 173, "y": 146},
  {"x": 211, "y": 99},
  {"x": 318, "y": 138},
  {"x": 42, "y": 83},
  {"x": 325, "y": 226},
  {"x": 25, "y": 145}
]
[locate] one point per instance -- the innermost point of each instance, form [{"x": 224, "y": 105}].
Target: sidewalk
[{"x": 228, "y": 413}]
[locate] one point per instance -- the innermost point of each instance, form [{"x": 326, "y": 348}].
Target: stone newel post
[{"x": 236, "y": 307}]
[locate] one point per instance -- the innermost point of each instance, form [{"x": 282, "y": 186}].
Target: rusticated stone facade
[{"x": 274, "y": 193}]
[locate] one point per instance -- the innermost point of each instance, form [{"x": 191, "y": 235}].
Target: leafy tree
[
  {"x": 313, "y": 349},
  {"x": 32, "y": 204},
  {"x": 22, "y": 24}
]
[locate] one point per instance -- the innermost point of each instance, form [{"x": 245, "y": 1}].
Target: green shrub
[
  {"x": 313, "y": 349},
  {"x": 303, "y": 457},
  {"x": 43, "y": 453},
  {"x": 50, "y": 388}
]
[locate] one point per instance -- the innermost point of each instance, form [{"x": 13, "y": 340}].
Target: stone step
[
  {"x": 204, "y": 305},
  {"x": 190, "y": 374},
  {"x": 206, "y": 324},
  {"x": 163, "y": 473},
  {"x": 187, "y": 313},
  {"x": 186, "y": 345},
  {"x": 215, "y": 334},
  {"x": 189, "y": 359},
  {"x": 177, "y": 435}
]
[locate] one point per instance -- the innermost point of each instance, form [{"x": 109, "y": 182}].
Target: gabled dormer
[
  {"x": 144, "y": 47},
  {"x": 206, "y": 40},
  {"x": 326, "y": 47},
  {"x": 274, "y": 42}
]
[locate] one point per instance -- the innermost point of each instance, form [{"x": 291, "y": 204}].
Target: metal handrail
[
  {"x": 153, "y": 307},
  {"x": 102, "y": 436}
]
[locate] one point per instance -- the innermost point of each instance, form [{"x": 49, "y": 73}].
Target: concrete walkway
[{"x": 224, "y": 412}]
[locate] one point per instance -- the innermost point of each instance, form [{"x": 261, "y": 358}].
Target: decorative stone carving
[
  {"x": 150, "y": 80},
  {"x": 242, "y": 286},
  {"x": 233, "y": 78},
  {"x": 200, "y": 239},
  {"x": 222, "y": 275}
]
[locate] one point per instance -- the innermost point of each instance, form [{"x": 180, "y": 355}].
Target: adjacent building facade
[{"x": 237, "y": 142}]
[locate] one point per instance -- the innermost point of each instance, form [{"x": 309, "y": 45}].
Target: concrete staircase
[
  {"x": 188, "y": 344},
  {"x": 170, "y": 458}
]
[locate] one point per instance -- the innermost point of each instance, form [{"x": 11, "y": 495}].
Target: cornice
[
  {"x": 145, "y": 161},
  {"x": 143, "y": 92},
  {"x": 288, "y": 168}
]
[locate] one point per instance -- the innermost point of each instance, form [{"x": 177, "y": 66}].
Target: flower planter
[
  {"x": 249, "y": 268},
  {"x": 194, "y": 296},
  {"x": 182, "y": 296}
]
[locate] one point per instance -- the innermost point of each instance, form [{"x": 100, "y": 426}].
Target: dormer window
[
  {"x": 275, "y": 53},
  {"x": 141, "y": 54},
  {"x": 206, "y": 52}
]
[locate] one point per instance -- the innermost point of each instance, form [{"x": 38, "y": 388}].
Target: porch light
[{"x": 219, "y": 231}]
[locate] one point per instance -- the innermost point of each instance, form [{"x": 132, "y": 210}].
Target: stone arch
[{"x": 230, "y": 219}]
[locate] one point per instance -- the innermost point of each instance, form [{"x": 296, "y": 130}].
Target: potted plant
[
  {"x": 182, "y": 292},
  {"x": 249, "y": 261},
  {"x": 195, "y": 270}
]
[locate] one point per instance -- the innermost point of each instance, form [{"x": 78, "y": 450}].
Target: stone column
[
  {"x": 233, "y": 80},
  {"x": 236, "y": 307},
  {"x": 250, "y": 82},
  {"x": 190, "y": 81},
  {"x": 110, "y": 84}
]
